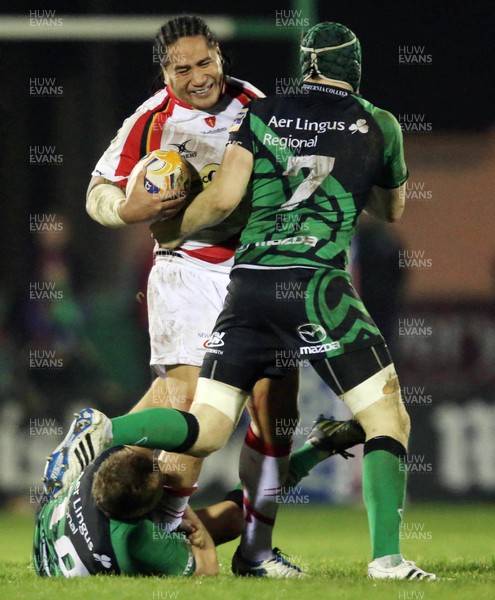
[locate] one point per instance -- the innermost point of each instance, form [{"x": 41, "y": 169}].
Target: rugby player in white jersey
[{"x": 187, "y": 287}]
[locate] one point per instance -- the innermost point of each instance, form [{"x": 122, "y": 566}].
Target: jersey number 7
[{"x": 320, "y": 167}]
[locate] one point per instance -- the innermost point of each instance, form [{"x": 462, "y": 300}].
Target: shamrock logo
[
  {"x": 360, "y": 125},
  {"x": 105, "y": 560}
]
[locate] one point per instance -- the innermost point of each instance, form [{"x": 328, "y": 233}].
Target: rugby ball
[{"x": 165, "y": 170}]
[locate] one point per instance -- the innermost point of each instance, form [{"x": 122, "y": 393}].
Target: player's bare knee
[
  {"x": 376, "y": 403},
  {"x": 405, "y": 420},
  {"x": 214, "y": 430},
  {"x": 208, "y": 443},
  {"x": 402, "y": 420}
]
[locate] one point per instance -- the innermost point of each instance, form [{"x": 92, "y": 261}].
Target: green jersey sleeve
[
  {"x": 147, "y": 549},
  {"x": 394, "y": 172}
]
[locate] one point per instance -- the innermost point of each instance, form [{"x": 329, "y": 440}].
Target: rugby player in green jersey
[
  {"x": 109, "y": 522},
  {"x": 314, "y": 161},
  {"x": 115, "y": 518}
]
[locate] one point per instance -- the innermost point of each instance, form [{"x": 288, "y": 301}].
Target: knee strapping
[
  {"x": 228, "y": 400},
  {"x": 384, "y": 383}
]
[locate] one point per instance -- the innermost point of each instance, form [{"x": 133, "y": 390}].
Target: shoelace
[{"x": 280, "y": 557}]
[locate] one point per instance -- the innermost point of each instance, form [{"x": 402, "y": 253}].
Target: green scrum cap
[{"x": 331, "y": 51}]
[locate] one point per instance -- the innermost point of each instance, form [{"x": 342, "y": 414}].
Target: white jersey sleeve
[{"x": 126, "y": 149}]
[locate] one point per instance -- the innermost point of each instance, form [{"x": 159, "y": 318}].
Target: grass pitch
[{"x": 330, "y": 544}]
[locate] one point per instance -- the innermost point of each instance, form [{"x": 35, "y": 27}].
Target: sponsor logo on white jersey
[
  {"x": 183, "y": 150},
  {"x": 215, "y": 340}
]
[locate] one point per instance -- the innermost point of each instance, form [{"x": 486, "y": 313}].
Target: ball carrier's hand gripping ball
[{"x": 166, "y": 171}]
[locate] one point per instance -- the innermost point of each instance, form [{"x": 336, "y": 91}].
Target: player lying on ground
[
  {"x": 115, "y": 518},
  {"x": 109, "y": 522}
]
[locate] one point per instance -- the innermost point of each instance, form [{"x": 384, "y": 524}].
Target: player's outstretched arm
[
  {"x": 386, "y": 204},
  {"x": 214, "y": 204}
]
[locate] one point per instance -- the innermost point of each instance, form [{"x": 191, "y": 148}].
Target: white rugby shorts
[{"x": 184, "y": 300}]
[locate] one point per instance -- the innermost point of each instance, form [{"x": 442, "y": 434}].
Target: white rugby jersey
[{"x": 165, "y": 122}]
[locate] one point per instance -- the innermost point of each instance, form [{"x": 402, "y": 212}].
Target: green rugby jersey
[
  {"x": 74, "y": 538},
  {"x": 317, "y": 155}
]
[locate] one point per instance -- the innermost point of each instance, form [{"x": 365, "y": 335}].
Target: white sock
[
  {"x": 391, "y": 560},
  {"x": 173, "y": 506},
  {"x": 263, "y": 469}
]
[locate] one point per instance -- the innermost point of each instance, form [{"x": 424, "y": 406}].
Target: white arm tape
[{"x": 103, "y": 203}]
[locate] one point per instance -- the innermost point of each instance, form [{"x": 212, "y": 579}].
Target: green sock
[
  {"x": 384, "y": 488},
  {"x": 163, "y": 428},
  {"x": 302, "y": 461}
]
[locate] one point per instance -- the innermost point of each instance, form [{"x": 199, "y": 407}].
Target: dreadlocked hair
[{"x": 177, "y": 28}]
